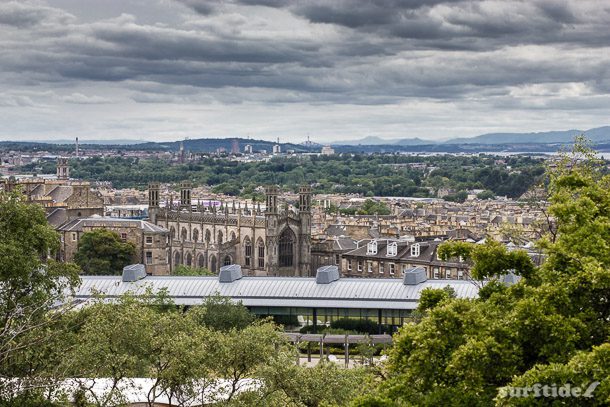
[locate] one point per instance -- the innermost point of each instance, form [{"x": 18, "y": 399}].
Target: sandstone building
[
  {"x": 151, "y": 241},
  {"x": 271, "y": 242}
]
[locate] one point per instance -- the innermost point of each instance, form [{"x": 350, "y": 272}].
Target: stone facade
[
  {"x": 271, "y": 242},
  {"x": 389, "y": 258},
  {"x": 151, "y": 241}
]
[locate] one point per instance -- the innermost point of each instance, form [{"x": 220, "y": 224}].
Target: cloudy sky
[{"x": 331, "y": 70}]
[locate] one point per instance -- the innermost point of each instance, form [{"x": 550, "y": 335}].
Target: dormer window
[
  {"x": 371, "y": 248},
  {"x": 392, "y": 249},
  {"x": 415, "y": 250}
]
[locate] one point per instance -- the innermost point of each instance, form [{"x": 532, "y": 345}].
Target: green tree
[
  {"x": 552, "y": 325},
  {"x": 183, "y": 270},
  {"x": 372, "y": 207},
  {"x": 431, "y": 297},
  {"x": 102, "y": 252},
  {"x": 222, "y": 314},
  {"x": 487, "y": 194},
  {"x": 31, "y": 285}
]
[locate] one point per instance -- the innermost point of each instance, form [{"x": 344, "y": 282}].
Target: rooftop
[{"x": 301, "y": 292}]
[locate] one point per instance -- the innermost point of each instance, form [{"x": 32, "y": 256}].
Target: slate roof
[{"x": 77, "y": 225}]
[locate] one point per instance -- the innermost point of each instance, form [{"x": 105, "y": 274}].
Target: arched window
[
  {"x": 172, "y": 232},
  {"x": 247, "y": 252},
  {"x": 213, "y": 264},
  {"x": 183, "y": 234},
  {"x": 201, "y": 261},
  {"x": 286, "y": 248},
  {"x": 208, "y": 236},
  {"x": 227, "y": 260},
  {"x": 195, "y": 235},
  {"x": 233, "y": 236},
  {"x": 176, "y": 258},
  {"x": 220, "y": 235},
  {"x": 261, "y": 253},
  {"x": 189, "y": 259}
]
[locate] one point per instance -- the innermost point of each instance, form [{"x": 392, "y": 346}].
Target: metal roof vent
[
  {"x": 414, "y": 276},
  {"x": 230, "y": 273},
  {"x": 327, "y": 274},
  {"x": 133, "y": 272}
]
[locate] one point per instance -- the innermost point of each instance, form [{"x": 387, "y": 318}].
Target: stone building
[
  {"x": 151, "y": 241},
  {"x": 62, "y": 198},
  {"x": 273, "y": 242},
  {"x": 390, "y": 258}
]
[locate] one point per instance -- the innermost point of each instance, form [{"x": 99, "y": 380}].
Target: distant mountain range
[
  {"x": 596, "y": 135},
  {"x": 548, "y": 141}
]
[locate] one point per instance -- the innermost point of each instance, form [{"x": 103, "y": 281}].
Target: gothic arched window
[
  {"x": 195, "y": 235},
  {"x": 213, "y": 264},
  {"x": 208, "y": 236},
  {"x": 286, "y": 248},
  {"x": 261, "y": 253},
  {"x": 247, "y": 252},
  {"x": 220, "y": 235},
  {"x": 201, "y": 261},
  {"x": 189, "y": 259},
  {"x": 183, "y": 234},
  {"x": 227, "y": 261},
  {"x": 176, "y": 258}
]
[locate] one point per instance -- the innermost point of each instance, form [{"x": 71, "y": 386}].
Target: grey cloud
[
  {"x": 23, "y": 14},
  {"x": 338, "y": 53}
]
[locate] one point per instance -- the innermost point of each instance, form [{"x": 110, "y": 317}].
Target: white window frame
[
  {"x": 369, "y": 266},
  {"x": 392, "y": 269},
  {"x": 349, "y": 265},
  {"x": 415, "y": 250},
  {"x": 148, "y": 239},
  {"x": 392, "y": 249},
  {"x": 147, "y": 259},
  {"x": 371, "y": 248},
  {"x": 381, "y": 267},
  {"x": 360, "y": 265}
]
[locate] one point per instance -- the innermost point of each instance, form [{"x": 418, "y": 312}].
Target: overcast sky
[{"x": 333, "y": 70}]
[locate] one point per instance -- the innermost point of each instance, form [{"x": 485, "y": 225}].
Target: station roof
[{"x": 302, "y": 292}]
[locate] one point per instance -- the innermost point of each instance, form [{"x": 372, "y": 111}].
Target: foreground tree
[
  {"x": 102, "y": 252},
  {"x": 31, "y": 285},
  {"x": 552, "y": 327}
]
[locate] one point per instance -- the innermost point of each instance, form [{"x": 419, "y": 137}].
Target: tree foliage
[
  {"x": 102, "y": 252},
  {"x": 550, "y": 327},
  {"x": 31, "y": 285}
]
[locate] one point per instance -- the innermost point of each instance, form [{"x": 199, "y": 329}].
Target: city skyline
[{"x": 170, "y": 69}]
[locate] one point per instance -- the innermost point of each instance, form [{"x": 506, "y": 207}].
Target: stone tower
[
  {"x": 63, "y": 170},
  {"x": 185, "y": 194},
  {"x": 153, "y": 201},
  {"x": 271, "y": 229},
  {"x": 305, "y": 230}
]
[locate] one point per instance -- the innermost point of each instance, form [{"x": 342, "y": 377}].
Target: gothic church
[{"x": 273, "y": 242}]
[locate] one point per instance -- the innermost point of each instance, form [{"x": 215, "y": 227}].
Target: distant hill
[
  {"x": 112, "y": 142},
  {"x": 366, "y": 141},
  {"x": 596, "y": 135}
]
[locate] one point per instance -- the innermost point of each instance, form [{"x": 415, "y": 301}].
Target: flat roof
[{"x": 298, "y": 292}]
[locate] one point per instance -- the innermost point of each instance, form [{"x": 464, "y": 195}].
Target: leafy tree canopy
[
  {"x": 551, "y": 327},
  {"x": 102, "y": 252}
]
